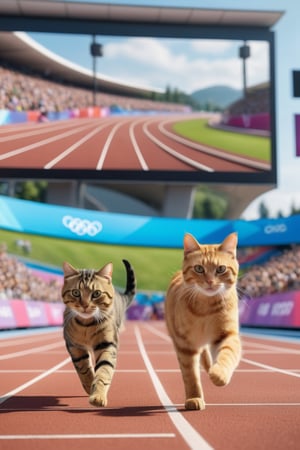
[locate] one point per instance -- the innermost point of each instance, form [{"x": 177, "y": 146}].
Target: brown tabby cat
[
  {"x": 201, "y": 312},
  {"x": 93, "y": 316}
]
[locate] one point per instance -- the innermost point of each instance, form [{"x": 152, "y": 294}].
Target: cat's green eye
[
  {"x": 96, "y": 294},
  {"x": 76, "y": 293},
  {"x": 198, "y": 268},
  {"x": 221, "y": 269}
]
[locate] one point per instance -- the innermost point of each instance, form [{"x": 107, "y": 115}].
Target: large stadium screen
[{"x": 192, "y": 107}]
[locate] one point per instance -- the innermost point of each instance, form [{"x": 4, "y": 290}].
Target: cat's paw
[
  {"x": 195, "y": 403},
  {"x": 98, "y": 400},
  {"x": 219, "y": 375}
]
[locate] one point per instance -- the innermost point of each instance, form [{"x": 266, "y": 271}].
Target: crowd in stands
[
  {"x": 280, "y": 273},
  {"x": 17, "y": 281},
  {"x": 257, "y": 100},
  {"x": 24, "y": 92}
]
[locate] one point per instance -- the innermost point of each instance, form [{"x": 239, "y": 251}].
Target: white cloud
[
  {"x": 160, "y": 63},
  {"x": 211, "y": 46}
]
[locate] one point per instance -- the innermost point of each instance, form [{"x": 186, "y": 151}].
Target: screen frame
[{"x": 159, "y": 30}]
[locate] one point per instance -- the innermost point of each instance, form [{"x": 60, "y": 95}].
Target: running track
[
  {"x": 140, "y": 143},
  {"x": 43, "y": 406}
]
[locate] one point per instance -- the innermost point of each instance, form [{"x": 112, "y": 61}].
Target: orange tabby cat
[{"x": 201, "y": 313}]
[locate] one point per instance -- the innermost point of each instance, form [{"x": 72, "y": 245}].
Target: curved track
[
  {"x": 43, "y": 406},
  {"x": 113, "y": 143}
]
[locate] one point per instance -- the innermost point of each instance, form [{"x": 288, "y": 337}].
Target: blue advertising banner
[{"x": 124, "y": 229}]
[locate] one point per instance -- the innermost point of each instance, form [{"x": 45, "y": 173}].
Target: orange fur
[{"x": 201, "y": 313}]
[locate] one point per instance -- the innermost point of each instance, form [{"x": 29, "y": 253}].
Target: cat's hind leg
[
  {"x": 226, "y": 357},
  {"x": 190, "y": 371},
  {"x": 206, "y": 361}
]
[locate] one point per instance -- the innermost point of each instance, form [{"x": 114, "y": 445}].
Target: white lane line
[
  {"x": 73, "y": 147},
  {"x": 42, "y": 348},
  {"x": 29, "y": 147},
  {"x": 86, "y": 436},
  {"x": 261, "y": 352},
  {"x": 280, "y": 339},
  {"x": 137, "y": 148},
  {"x": 153, "y": 330},
  {"x": 22, "y": 340},
  {"x": 106, "y": 145},
  {"x": 177, "y": 155},
  {"x": 35, "y": 131},
  {"x": 251, "y": 346},
  {"x": 194, "y": 440},
  {"x": 53, "y": 369},
  {"x": 271, "y": 368}
]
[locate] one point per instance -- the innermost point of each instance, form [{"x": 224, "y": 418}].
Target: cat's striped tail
[{"x": 130, "y": 283}]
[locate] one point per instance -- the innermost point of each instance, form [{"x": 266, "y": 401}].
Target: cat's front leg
[
  {"x": 227, "y": 355},
  {"x": 104, "y": 371},
  {"x": 82, "y": 363},
  {"x": 190, "y": 370}
]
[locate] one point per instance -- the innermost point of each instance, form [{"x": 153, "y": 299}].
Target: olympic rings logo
[{"x": 82, "y": 226}]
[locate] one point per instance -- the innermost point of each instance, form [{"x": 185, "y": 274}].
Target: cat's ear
[
  {"x": 68, "y": 269},
  {"x": 229, "y": 244},
  {"x": 106, "y": 271},
  {"x": 190, "y": 244}
]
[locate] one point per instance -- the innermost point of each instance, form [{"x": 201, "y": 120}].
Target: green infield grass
[
  {"x": 153, "y": 266},
  {"x": 258, "y": 147}
]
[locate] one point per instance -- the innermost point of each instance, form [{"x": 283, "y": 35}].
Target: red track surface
[
  {"x": 43, "y": 405},
  {"x": 113, "y": 143}
]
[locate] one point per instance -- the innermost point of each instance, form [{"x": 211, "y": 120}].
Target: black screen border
[{"x": 159, "y": 30}]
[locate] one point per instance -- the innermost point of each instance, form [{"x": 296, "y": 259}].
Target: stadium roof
[
  {"x": 18, "y": 49},
  {"x": 137, "y": 14},
  {"x": 89, "y": 18}
]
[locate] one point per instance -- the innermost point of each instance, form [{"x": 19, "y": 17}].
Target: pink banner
[
  {"x": 250, "y": 121},
  {"x": 7, "y": 315},
  {"x": 18, "y": 313}
]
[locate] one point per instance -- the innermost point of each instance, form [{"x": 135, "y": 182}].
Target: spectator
[
  {"x": 20, "y": 282},
  {"x": 280, "y": 273}
]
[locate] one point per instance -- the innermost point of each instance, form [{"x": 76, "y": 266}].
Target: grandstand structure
[{"x": 167, "y": 199}]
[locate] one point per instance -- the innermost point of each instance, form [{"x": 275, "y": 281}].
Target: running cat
[
  {"x": 93, "y": 316},
  {"x": 201, "y": 313}
]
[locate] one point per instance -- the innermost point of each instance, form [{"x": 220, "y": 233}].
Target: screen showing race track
[{"x": 141, "y": 108}]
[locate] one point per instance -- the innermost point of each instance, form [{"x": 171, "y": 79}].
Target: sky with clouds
[
  {"x": 186, "y": 64},
  {"x": 191, "y": 65}
]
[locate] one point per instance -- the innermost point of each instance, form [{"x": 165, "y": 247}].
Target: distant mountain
[{"x": 221, "y": 96}]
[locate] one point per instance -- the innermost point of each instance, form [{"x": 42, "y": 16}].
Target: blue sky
[
  {"x": 179, "y": 67},
  {"x": 156, "y": 63}
]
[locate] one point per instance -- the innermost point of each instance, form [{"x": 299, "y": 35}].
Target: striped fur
[
  {"x": 93, "y": 317},
  {"x": 201, "y": 313}
]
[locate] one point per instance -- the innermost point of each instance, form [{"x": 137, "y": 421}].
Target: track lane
[
  {"x": 111, "y": 143},
  {"x": 146, "y": 391}
]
